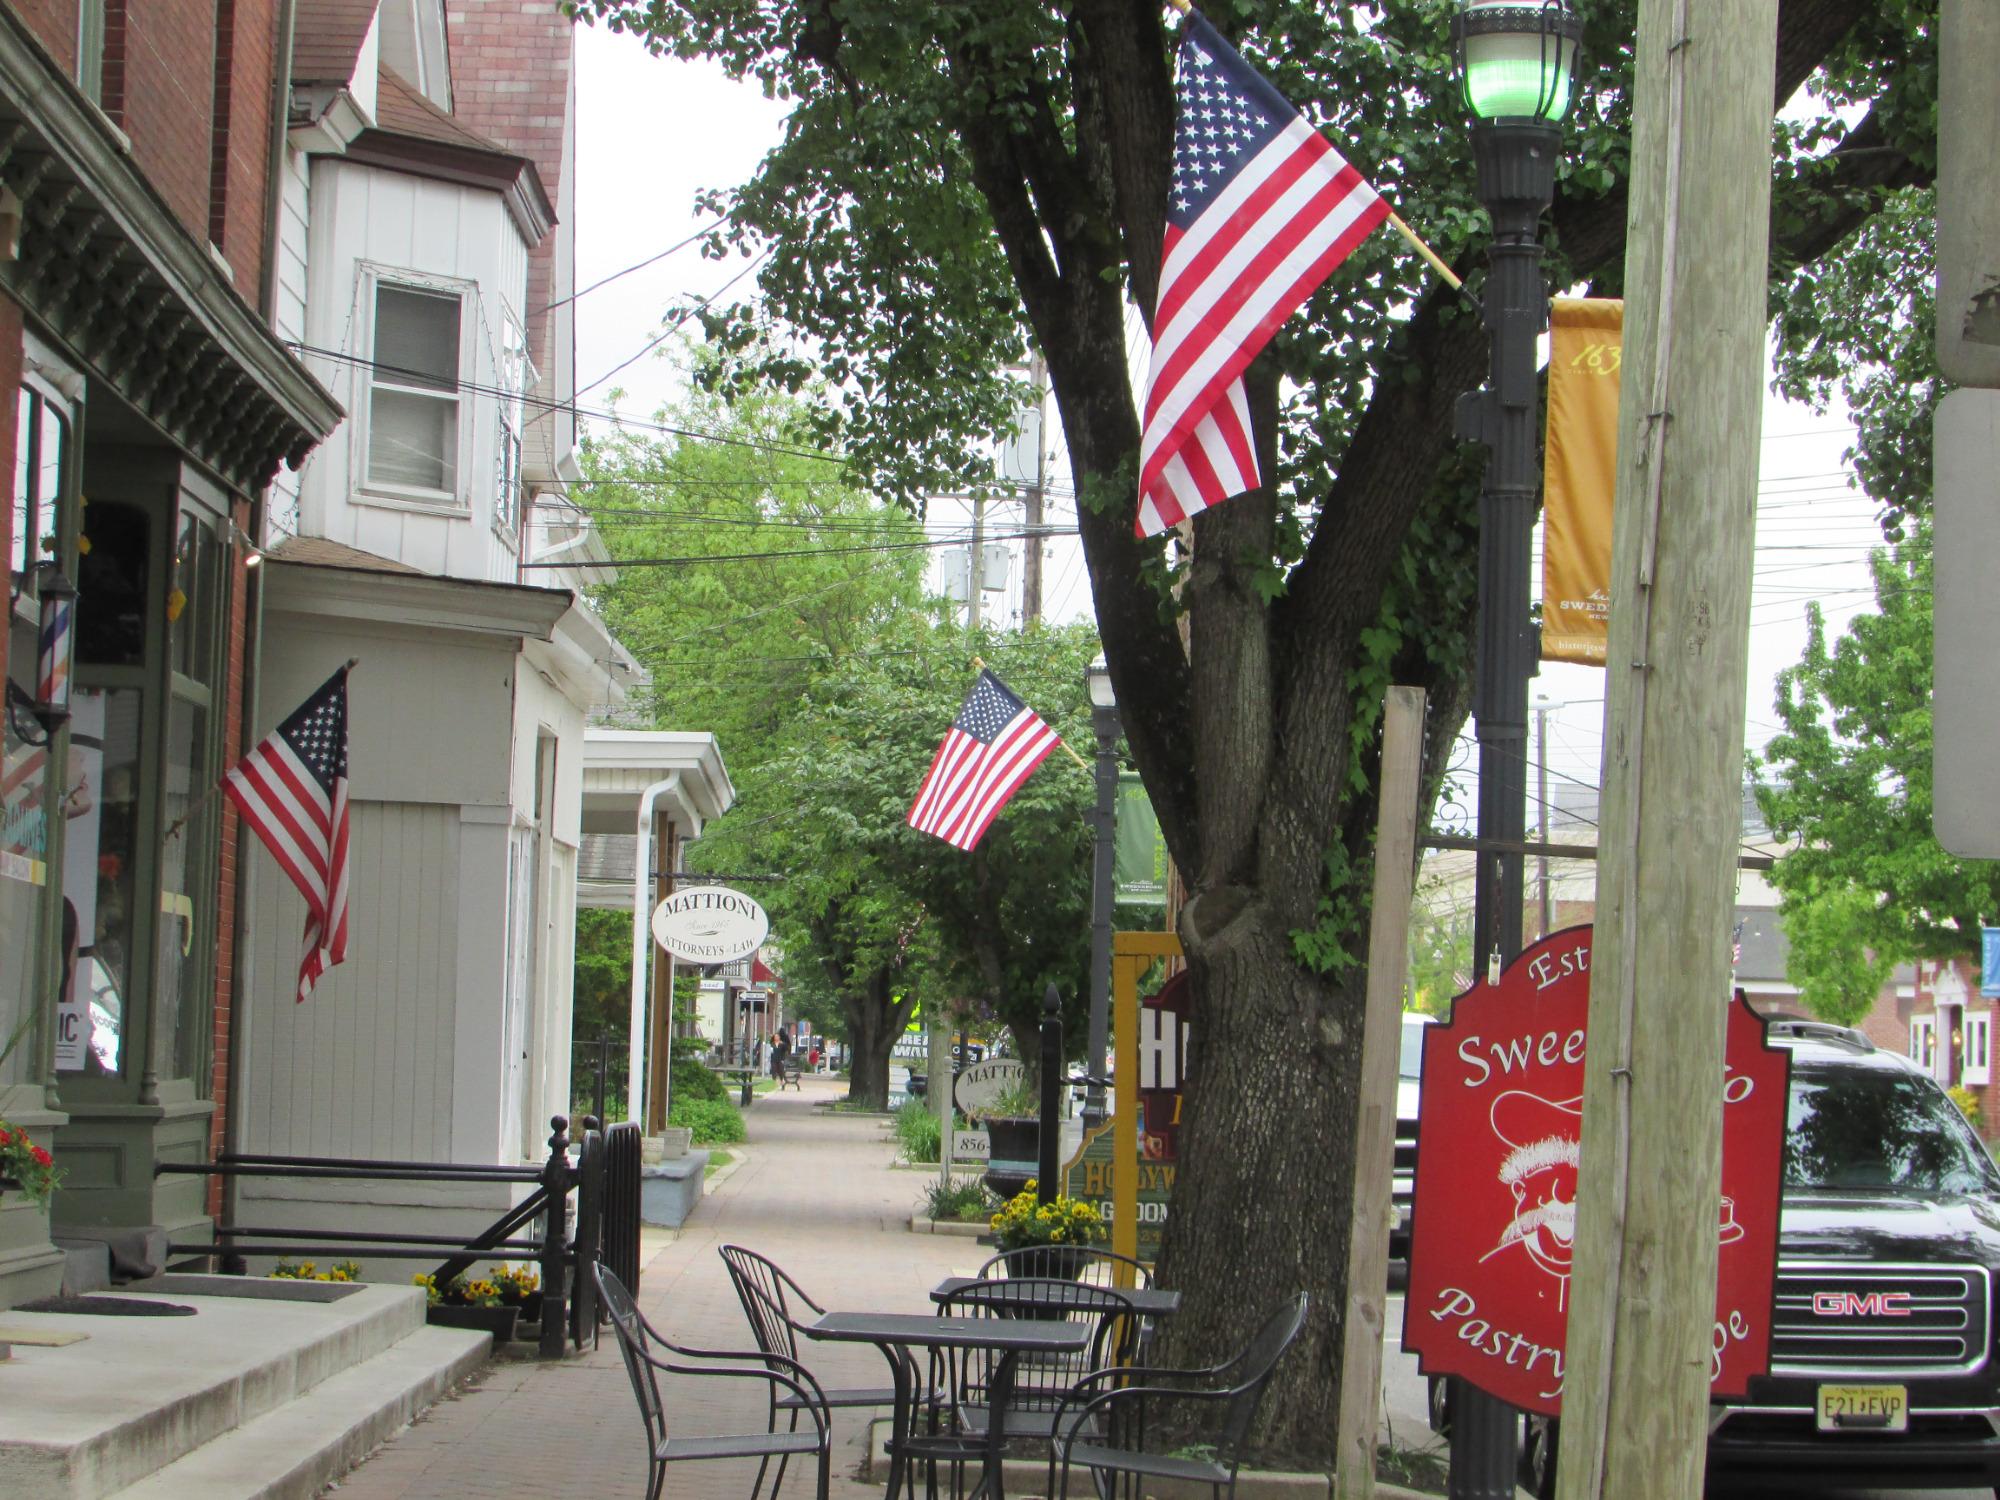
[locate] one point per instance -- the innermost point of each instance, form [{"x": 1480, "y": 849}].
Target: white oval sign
[
  {"x": 979, "y": 1085},
  {"x": 709, "y": 924}
]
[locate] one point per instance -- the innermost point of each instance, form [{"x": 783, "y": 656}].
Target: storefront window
[
  {"x": 103, "y": 844},
  {"x": 187, "y": 857},
  {"x": 41, "y": 452}
]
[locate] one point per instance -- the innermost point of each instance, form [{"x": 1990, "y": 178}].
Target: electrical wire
[
  {"x": 641, "y": 265},
  {"x": 678, "y": 562}
]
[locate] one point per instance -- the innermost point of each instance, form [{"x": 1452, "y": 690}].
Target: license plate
[{"x": 1864, "y": 1408}]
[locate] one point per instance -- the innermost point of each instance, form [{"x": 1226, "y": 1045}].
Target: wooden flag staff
[
  {"x": 979, "y": 665},
  {"x": 1445, "y": 273}
]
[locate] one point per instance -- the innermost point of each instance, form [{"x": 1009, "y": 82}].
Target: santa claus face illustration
[{"x": 1539, "y": 1170}]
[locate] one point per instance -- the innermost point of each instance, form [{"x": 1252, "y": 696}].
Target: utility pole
[
  {"x": 1031, "y": 548},
  {"x": 1635, "y": 1388},
  {"x": 975, "y": 581}
]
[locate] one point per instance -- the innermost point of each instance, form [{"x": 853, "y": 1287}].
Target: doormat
[{"x": 128, "y": 1307}]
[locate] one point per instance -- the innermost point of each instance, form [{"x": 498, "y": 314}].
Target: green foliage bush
[
  {"x": 917, "y": 1131},
  {"x": 695, "y": 1080},
  {"x": 716, "y": 1122},
  {"x": 963, "y": 1200}
]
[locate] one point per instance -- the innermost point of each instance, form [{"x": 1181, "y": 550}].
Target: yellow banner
[{"x": 1585, "y": 342}]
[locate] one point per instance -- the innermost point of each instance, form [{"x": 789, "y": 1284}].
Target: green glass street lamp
[{"x": 1516, "y": 64}]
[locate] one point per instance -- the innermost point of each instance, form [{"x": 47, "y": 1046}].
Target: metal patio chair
[
  {"x": 1100, "y": 1267},
  {"x": 1101, "y": 1426},
  {"x": 771, "y": 1299},
  {"x": 648, "y": 1352}
]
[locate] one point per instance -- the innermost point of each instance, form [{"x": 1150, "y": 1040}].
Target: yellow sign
[{"x": 1585, "y": 348}]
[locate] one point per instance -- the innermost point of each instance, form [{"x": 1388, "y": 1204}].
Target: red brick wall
[
  {"x": 10, "y": 386},
  {"x": 239, "y": 162},
  {"x": 510, "y": 74},
  {"x": 54, "y": 24}
]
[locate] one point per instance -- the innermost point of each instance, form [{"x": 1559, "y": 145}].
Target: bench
[{"x": 746, "y": 1077}]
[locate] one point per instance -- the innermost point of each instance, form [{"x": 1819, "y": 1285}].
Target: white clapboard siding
[{"x": 364, "y": 1067}]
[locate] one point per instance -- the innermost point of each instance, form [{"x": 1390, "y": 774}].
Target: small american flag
[
  {"x": 993, "y": 746},
  {"x": 1260, "y": 212},
  {"x": 292, "y": 791}
]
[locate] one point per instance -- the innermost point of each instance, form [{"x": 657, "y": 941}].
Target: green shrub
[
  {"x": 963, "y": 1200},
  {"x": 917, "y": 1131},
  {"x": 714, "y": 1121},
  {"x": 695, "y": 1080},
  {"x": 1968, "y": 1103}
]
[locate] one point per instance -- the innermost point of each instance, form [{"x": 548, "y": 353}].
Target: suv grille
[{"x": 1880, "y": 1320}]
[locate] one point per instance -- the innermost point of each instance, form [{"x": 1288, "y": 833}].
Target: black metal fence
[{"x": 604, "y": 1177}]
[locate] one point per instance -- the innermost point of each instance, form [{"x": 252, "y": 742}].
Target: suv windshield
[{"x": 1879, "y": 1131}]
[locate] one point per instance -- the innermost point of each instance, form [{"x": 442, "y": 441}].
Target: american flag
[
  {"x": 993, "y": 746},
  {"x": 1261, "y": 211},
  {"x": 292, "y": 791}
]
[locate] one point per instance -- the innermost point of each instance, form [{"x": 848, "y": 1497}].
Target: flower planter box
[{"x": 498, "y": 1321}]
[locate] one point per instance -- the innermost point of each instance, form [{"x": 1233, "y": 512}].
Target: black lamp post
[
  {"x": 1515, "y": 62},
  {"x": 1103, "y": 720}
]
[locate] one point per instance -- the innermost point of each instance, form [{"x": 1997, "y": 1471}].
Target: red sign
[{"x": 1499, "y": 1139}]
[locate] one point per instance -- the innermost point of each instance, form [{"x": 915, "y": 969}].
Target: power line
[
  {"x": 635, "y": 266},
  {"x": 672, "y": 328},
  {"x": 679, "y": 562}
]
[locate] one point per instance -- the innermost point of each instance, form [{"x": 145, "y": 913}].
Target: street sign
[
  {"x": 1965, "y": 622},
  {"x": 1499, "y": 1141}
]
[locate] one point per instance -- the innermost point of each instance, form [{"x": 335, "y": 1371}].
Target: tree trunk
[
  {"x": 1266, "y": 1148},
  {"x": 869, "y": 1041}
]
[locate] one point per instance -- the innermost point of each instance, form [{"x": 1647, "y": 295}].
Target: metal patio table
[{"x": 895, "y": 1334}]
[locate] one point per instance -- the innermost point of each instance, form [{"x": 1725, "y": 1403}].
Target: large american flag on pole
[
  {"x": 292, "y": 791},
  {"x": 1260, "y": 212},
  {"x": 993, "y": 746}
]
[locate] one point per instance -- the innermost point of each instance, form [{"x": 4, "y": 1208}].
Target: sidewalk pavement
[{"x": 812, "y": 1190}]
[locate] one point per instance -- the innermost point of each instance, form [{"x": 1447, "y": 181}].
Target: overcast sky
[{"x": 652, "y": 132}]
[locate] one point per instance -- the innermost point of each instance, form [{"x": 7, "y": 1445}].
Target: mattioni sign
[{"x": 1499, "y": 1139}]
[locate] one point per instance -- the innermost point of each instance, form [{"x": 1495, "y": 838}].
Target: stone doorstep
[
  {"x": 293, "y": 1453},
  {"x": 1027, "y": 1478},
  {"x": 69, "y": 1434}
]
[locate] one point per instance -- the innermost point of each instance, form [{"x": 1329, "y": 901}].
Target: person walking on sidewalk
[{"x": 781, "y": 1051}]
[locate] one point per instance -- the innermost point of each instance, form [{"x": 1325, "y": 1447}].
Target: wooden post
[
  {"x": 1642, "y": 1287},
  {"x": 1375, "y": 1130},
  {"x": 660, "y": 1032}
]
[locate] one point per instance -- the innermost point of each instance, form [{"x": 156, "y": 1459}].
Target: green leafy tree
[
  {"x": 892, "y": 917},
  {"x": 959, "y": 180},
  {"x": 1849, "y": 777}
]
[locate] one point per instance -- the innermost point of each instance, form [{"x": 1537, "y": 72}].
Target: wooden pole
[
  {"x": 1375, "y": 1130},
  {"x": 1642, "y": 1286}
]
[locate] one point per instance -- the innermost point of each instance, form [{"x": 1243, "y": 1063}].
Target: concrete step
[
  {"x": 296, "y": 1451},
  {"x": 87, "y": 1419},
  {"x": 86, "y": 1265}
]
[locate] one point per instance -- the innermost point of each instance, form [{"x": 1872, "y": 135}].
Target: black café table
[{"x": 896, "y": 1334}]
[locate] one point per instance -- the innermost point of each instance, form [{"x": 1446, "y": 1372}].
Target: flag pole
[{"x": 979, "y": 665}]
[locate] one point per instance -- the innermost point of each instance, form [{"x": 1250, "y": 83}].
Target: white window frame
[
  {"x": 370, "y": 491},
  {"x": 516, "y": 376},
  {"x": 1923, "y": 1042},
  {"x": 1976, "y": 1059}
]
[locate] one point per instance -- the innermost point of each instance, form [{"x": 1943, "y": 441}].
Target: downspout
[
  {"x": 274, "y": 177},
  {"x": 642, "y": 862}
]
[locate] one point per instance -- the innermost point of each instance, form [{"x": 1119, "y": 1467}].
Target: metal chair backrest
[
  {"x": 767, "y": 1294},
  {"x": 1098, "y": 1267},
  {"x": 630, "y": 1326},
  {"x": 1251, "y": 1372},
  {"x": 1043, "y": 1380}
]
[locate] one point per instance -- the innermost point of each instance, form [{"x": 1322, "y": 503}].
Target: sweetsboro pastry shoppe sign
[
  {"x": 709, "y": 924},
  {"x": 1501, "y": 1137}
]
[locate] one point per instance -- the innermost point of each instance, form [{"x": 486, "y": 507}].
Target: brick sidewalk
[{"x": 814, "y": 1192}]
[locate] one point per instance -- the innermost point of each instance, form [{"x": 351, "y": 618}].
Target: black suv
[{"x": 1883, "y": 1366}]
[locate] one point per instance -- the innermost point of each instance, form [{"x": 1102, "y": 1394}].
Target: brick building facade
[{"x": 136, "y": 145}]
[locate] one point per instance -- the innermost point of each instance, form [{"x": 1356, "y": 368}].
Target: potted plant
[
  {"x": 464, "y": 1303},
  {"x": 1058, "y": 1231},
  {"x": 26, "y": 1167},
  {"x": 1014, "y": 1131}
]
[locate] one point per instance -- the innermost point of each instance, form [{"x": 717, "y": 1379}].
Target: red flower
[
  {"x": 6, "y": 1139},
  {"x": 42, "y": 1158}
]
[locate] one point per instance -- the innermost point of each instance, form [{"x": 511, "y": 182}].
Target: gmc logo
[{"x": 1858, "y": 1305}]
